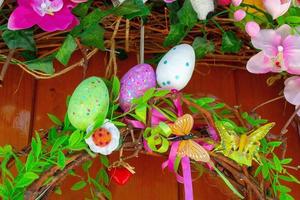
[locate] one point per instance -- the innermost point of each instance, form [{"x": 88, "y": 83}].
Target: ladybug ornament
[{"x": 121, "y": 172}]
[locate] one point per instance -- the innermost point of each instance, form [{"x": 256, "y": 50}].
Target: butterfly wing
[
  {"x": 229, "y": 139},
  {"x": 193, "y": 150},
  {"x": 183, "y": 125},
  {"x": 258, "y": 134}
]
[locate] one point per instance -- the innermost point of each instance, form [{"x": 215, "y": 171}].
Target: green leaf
[
  {"x": 227, "y": 182},
  {"x": 82, "y": 9},
  {"x": 26, "y": 179},
  {"x": 148, "y": 94},
  {"x": 58, "y": 191},
  {"x": 93, "y": 36},
  {"x": 292, "y": 20},
  {"x": 202, "y": 47},
  {"x": 101, "y": 189},
  {"x": 119, "y": 124},
  {"x": 61, "y": 160},
  {"x": 66, "y": 50},
  {"x": 283, "y": 189},
  {"x": 265, "y": 171},
  {"x": 87, "y": 165},
  {"x": 104, "y": 160},
  {"x": 274, "y": 143},
  {"x": 104, "y": 176},
  {"x": 161, "y": 93},
  {"x": 176, "y": 34},
  {"x": 285, "y": 196},
  {"x": 94, "y": 18},
  {"x": 277, "y": 163},
  {"x": 37, "y": 146},
  {"x": 19, "y": 164},
  {"x": 257, "y": 171},
  {"x": 54, "y": 119},
  {"x": 141, "y": 112},
  {"x": 75, "y": 138},
  {"x": 19, "y": 39},
  {"x": 59, "y": 142},
  {"x": 131, "y": 9},
  {"x": 289, "y": 178},
  {"x": 30, "y": 161},
  {"x": 187, "y": 15},
  {"x": 78, "y": 186},
  {"x": 115, "y": 87},
  {"x": 230, "y": 43},
  {"x": 41, "y": 64},
  {"x": 286, "y": 161}
]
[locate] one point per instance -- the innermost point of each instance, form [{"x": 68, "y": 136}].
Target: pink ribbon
[{"x": 187, "y": 178}]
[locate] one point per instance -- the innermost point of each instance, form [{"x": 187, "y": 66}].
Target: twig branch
[{"x": 5, "y": 65}]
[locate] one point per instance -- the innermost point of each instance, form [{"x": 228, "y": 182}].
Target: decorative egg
[
  {"x": 89, "y": 102},
  {"x": 175, "y": 69},
  {"x": 135, "y": 83}
]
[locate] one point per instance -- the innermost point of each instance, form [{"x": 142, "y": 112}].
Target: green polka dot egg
[{"x": 89, "y": 102}]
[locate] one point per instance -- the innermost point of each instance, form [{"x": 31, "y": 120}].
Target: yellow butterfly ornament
[
  {"x": 244, "y": 148},
  {"x": 187, "y": 147}
]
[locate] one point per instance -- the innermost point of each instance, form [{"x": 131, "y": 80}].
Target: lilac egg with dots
[{"x": 135, "y": 83}]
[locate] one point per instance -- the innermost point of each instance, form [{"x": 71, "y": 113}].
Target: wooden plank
[
  {"x": 148, "y": 183},
  {"x": 16, "y": 104},
  {"x": 252, "y": 90}
]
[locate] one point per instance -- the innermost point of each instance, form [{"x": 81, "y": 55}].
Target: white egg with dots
[{"x": 176, "y": 68}]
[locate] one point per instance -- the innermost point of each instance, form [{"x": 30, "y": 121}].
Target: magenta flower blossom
[
  {"x": 49, "y": 15},
  {"x": 280, "y": 51},
  {"x": 277, "y": 8},
  {"x": 224, "y": 2},
  {"x": 292, "y": 91}
]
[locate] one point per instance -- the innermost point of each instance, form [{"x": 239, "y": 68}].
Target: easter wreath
[{"x": 133, "y": 115}]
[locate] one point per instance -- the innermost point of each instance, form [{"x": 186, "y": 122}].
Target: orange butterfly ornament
[{"x": 187, "y": 147}]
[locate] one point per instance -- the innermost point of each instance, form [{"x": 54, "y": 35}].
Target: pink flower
[
  {"x": 252, "y": 28},
  {"x": 277, "y": 8},
  {"x": 239, "y": 15},
  {"x": 49, "y": 15},
  {"x": 79, "y": 1},
  {"x": 280, "y": 51},
  {"x": 236, "y": 2},
  {"x": 292, "y": 91},
  {"x": 224, "y": 2}
]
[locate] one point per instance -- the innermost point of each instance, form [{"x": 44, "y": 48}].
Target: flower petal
[
  {"x": 252, "y": 28},
  {"x": 291, "y": 46},
  {"x": 22, "y": 18},
  {"x": 59, "y": 21},
  {"x": 276, "y": 8},
  {"x": 239, "y": 15},
  {"x": 259, "y": 64},
  {"x": 224, "y": 2},
  {"x": 284, "y": 31},
  {"x": 292, "y": 90},
  {"x": 236, "y": 2},
  {"x": 267, "y": 40},
  {"x": 113, "y": 144}
]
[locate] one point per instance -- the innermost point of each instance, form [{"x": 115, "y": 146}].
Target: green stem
[{"x": 218, "y": 25}]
